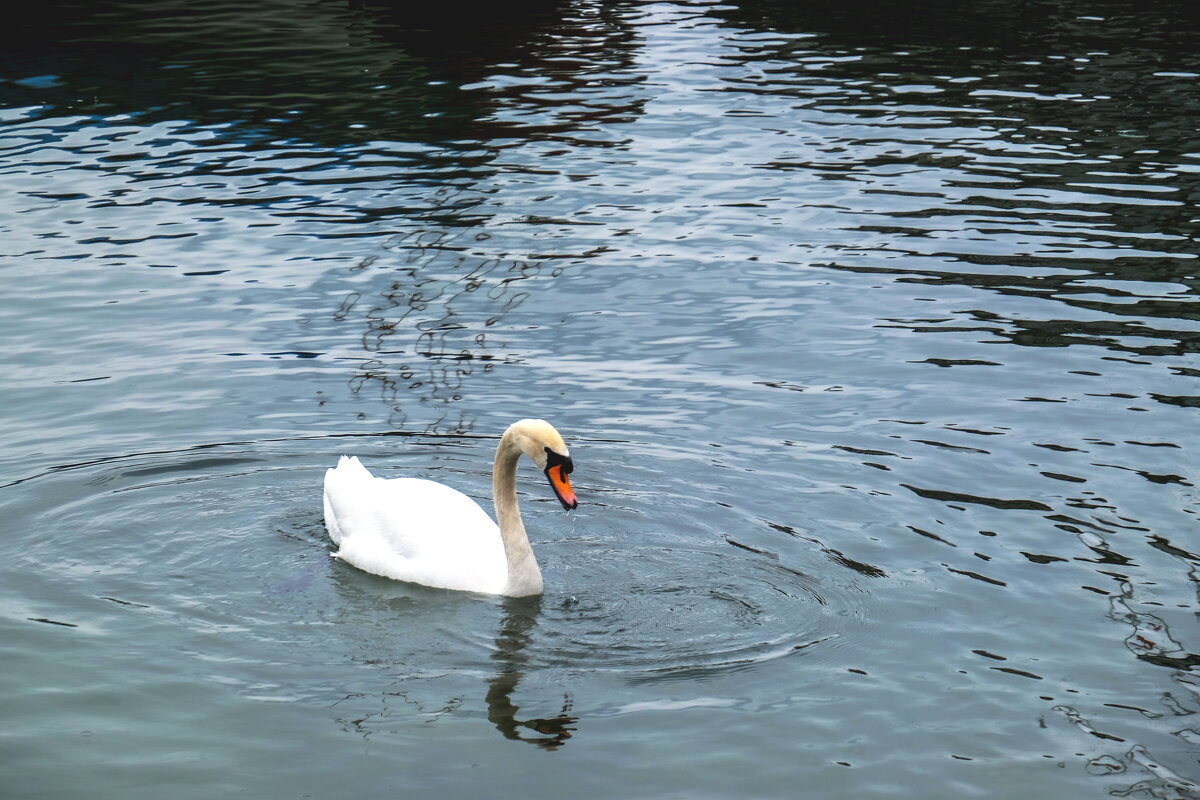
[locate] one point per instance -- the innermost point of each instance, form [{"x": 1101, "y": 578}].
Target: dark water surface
[{"x": 873, "y": 328}]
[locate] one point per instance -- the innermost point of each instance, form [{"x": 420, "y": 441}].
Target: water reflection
[
  {"x": 1153, "y": 777},
  {"x": 1031, "y": 166},
  {"x": 329, "y": 73},
  {"x": 1150, "y": 639},
  {"x": 438, "y": 296},
  {"x": 520, "y": 617},
  {"x": 426, "y": 668}
]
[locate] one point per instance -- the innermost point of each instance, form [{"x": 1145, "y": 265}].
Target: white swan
[{"x": 421, "y": 531}]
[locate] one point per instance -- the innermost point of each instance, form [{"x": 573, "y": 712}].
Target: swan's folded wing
[{"x": 414, "y": 518}]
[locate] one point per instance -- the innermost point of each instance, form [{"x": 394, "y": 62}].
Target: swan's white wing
[{"x": 413, "y": 530}]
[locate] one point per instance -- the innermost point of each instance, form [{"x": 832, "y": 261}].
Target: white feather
[{"x": 414, "y": 530}]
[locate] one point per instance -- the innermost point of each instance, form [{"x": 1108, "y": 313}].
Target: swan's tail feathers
[
  {"x": 341, "y": 483},
  {"x": 348, "y": 470},
  {"x": 351, "y": 464}
]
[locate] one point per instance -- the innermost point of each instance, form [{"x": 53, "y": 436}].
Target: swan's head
[{"x": 545, "y": 447}]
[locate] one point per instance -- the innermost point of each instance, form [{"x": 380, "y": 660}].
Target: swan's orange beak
[{"x": 562, "y": 486}]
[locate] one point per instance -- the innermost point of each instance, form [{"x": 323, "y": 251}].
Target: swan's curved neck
[{"x": 524, "y": 577}]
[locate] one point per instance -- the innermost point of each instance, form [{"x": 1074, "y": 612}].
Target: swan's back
[{"x": 412, "y": 530}]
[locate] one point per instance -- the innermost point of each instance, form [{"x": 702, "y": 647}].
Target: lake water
[{"x": 873, "y": 329}]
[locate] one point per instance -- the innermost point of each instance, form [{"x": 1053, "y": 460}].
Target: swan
[{"x": 424, "y": 532}]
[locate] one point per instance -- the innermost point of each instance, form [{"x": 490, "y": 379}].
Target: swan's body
[{"x": 421, "y": 531}]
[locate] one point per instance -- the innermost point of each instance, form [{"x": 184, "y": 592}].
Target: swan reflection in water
[
  {"x": 513, "y": 639},
  {"x": 520, "y": 617}
]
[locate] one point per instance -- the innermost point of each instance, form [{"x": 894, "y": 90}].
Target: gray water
[{"x": 872, "y": 328}]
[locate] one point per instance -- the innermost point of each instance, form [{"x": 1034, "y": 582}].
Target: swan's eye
[{"x": 554, "y": 459}]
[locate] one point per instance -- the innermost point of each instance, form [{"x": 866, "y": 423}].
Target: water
[{"x": 873, "y": 334}]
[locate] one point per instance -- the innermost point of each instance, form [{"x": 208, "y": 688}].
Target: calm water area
[{"x": 873, "y": 328}]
